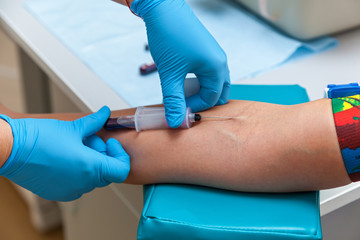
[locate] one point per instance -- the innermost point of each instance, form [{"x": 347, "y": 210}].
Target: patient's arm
[{"x": 266, "y": 147}]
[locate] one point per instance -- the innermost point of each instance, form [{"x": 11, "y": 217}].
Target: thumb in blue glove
[
  {"x": 50, "y": 159},
  {"x": 179, "y": 45},
  {"x": 115, "y": 165}
]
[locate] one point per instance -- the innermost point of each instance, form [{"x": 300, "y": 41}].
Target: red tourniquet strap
[{"x": 347, "y": 123}]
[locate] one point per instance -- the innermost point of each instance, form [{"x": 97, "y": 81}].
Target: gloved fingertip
[
  {"x": 221, "y": 102},
  {"x": 193, "y": 103},
  {"x": 115, "y": 149},
  {"x": 119, "y": 162},
  {"x": 175, "y": 111},
  {"x": 175, "y": 120},
  {"x": 96, "y": 143},
  {"x": 104, "y": 112},
  {"x": 113, "y": 141},
  {"x": 92, "y": 123},
  {"x": 224, "y": 98},
  {"x": 101, "y": 115},
  {"x": 202, "y": 101},
  {"x": 117, "y": 171}
]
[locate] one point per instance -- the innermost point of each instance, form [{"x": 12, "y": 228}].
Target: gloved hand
[
  {"x": 180, "y": 44},
  {"x": 50, "y": 159}
]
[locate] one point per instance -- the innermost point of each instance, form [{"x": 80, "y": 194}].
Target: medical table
[{"x": 46, "y": 60}]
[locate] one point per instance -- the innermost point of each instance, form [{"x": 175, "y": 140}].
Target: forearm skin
[{"x": 264, "y": 148}]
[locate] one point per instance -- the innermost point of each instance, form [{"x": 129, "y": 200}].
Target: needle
[{"x": 216, "y": 117}]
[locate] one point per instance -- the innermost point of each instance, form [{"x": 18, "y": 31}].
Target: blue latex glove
[
  {"x": 180, "y": 44},
  {"x": 50, "y": 159}
]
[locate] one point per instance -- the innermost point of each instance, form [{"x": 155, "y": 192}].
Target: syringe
[{"x": 146, "y": 118}]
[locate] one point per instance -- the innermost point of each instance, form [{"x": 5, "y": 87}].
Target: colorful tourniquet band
[{"x": 347, "y": 122}]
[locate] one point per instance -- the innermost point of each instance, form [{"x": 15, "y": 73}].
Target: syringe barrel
[{"x": 154, "y": 118}]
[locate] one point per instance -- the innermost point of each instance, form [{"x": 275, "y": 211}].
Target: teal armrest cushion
[{"x": 179, "y": 212}]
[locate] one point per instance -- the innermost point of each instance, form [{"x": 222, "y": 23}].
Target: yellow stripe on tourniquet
[{"x": 347, "y": 105}]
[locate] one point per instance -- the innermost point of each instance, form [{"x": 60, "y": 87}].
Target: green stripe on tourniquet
[{"x": 337, "y": 105}]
